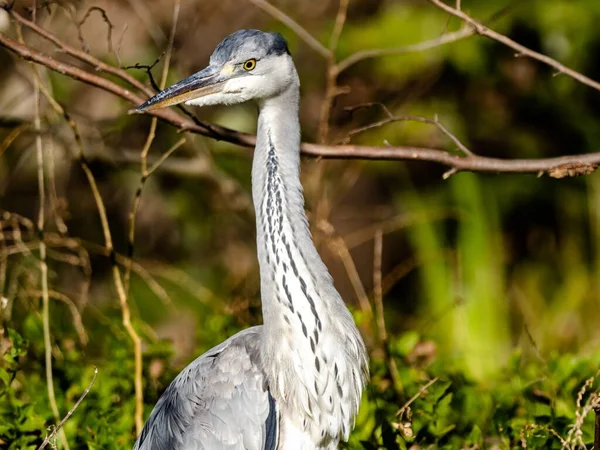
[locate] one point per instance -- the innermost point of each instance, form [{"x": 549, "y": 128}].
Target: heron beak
[{"x": 208, "y": 81}]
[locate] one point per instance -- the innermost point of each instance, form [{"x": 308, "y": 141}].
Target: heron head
[{"x": 246, "y": 65}]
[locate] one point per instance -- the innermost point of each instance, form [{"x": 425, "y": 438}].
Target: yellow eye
[{"x": 250, "y": 64}]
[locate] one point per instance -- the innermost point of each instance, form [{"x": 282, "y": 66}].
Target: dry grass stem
[
  {"x": 109, "y": 24},
  {"x": 117, "y": 279},
  {"x": 42, "y": 248},
  {"x": 529, "y": 428},
  {"x": 165, "y": 155},
  {"x": 10, "y": 138},
  {"x": 77, "y": 322}
]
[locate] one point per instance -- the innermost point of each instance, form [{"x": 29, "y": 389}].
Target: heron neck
[
  {"x": 294, "y": 281},
  {"x": 286, "y": 253},
  {"x": 311, "y": 349}
]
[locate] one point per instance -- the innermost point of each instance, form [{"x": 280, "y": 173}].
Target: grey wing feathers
[{"x": 218, "y": 402}]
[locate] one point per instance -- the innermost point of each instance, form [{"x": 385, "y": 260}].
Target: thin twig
[
  {"x": 416, "y": 396},
  {"x": 165, "y": 155},
  {"x": 331, "y": 87},
  {"x": 338, "y": 246},
  {"x": 316, "y": 181},
  {"x": 445, "y": 38},
  {"x": 146, "y": 148},
  {"x": 392, "y": 118},
  {"x": 340, "y": 20},
  {"x": 77, "y": 322},
  {"x": 398, "y": 272},
  {"x": 109, "y": 24},
  {"x": 70, "y": 413},
  {"x": 482, "y": 30},
  {"x": 292, "y": 25},
  {"x": 395, "y": 223},
  {"x": 14, "y": 134},
  {"x": 148, "y": 69}
]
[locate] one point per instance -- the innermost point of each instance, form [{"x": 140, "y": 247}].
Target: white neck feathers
[{"x": 313, "y": 355}]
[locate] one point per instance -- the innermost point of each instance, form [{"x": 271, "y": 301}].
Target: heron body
[{"x": 296, "y": 381}]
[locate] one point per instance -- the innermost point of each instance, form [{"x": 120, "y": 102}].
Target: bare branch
[
  {"x": 557, "y": 166},
  {"x": 581, "y": 164},
  {"x": 482, "y": 30}
]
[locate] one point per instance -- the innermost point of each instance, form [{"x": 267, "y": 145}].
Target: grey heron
[{"x": 296, "y": 381}]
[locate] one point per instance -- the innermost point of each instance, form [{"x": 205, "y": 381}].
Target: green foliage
[
  {"x": 454, "y": 411},
  {"x": 457, "y": 412}
]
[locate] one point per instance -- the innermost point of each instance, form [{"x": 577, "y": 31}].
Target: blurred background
[{"x": 490, "y": 283}]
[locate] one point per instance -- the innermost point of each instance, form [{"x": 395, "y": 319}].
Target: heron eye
[{"x": 250, "y": 64}]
